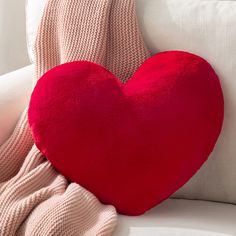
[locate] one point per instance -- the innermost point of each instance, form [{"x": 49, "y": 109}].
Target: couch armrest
[{"x": 15, "y": 90}]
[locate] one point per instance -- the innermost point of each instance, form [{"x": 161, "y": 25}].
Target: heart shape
[{"x": 131, "y": 144}]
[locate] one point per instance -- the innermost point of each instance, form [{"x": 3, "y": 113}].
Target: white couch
[{"x": 174, "y": 217}]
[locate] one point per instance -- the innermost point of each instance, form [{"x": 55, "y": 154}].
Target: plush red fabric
[{"x": 132, "y": 144}]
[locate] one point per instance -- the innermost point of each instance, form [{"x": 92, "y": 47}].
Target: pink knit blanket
[{"x": 34, "y": 198}]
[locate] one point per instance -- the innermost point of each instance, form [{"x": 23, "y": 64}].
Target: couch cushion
[
  {"x": 176, "y": 217},
  {"x": 206, "y": 28}
]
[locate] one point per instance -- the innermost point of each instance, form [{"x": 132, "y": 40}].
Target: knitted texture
[{"x": 34, "y": 198}]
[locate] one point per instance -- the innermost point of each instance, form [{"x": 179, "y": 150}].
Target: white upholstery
[
  {"x": 173, "y": 217},
  {"x": 203, "y": 27},
  {"x": 176, "y": 217},
  {"x": 15, "y": 89}
]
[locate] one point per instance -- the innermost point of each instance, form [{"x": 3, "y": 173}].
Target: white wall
[{"x": 13, "y": 52}]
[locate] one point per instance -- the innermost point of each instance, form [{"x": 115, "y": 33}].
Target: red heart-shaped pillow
[{"x": 132, "y": 144}]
